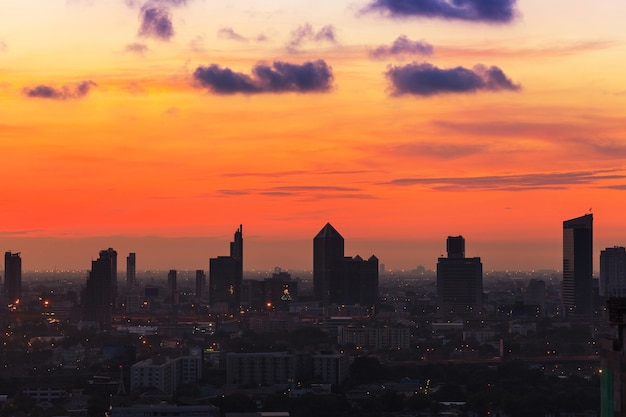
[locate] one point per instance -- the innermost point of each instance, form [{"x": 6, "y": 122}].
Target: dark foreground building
[
  {"x": 97, "y": 299},
  {"x": 578, "y": 266},
  {"x": 12, "y": 290},
  {"x": 226, "y": 277},
  {"x": 338, "y": 279},
  {"x": 459, "y": 281}
]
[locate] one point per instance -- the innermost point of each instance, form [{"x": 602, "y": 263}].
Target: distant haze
[{"x": 188, "y": 253}]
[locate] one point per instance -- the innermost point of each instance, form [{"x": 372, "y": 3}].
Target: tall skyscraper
[
  {"x": 112, "y": 255},
  {"x": 97, "y": 297},
  {"x": 338, "y": 279},
  {"x": 459, "y": 281},
  {"x": 328, "y": 250},
  {"x": 200, "y": 283},
  {"x": 131, "y": 271},
  {"x": 172, "y": 286},
  {"x": 577, "y": 284},
  {"x": 12, "y": 290},
  {"x": 226, "y": 276},
  {"x": 613, "y": 272}
]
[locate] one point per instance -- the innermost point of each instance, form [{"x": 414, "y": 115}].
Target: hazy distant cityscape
[{"x": 347, "y": 338}]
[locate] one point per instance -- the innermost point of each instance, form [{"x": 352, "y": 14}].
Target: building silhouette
[
  {"x": 131, "y": 271},
  {"x": 577, "y": 286},
  {"x": 613, "y": 272},
  {"x": 338, "y": 279},
  {"x": 12, "y": 290},
  {"x": 226, "y": 276},
  {"x": 200, "y": 283},
  {"x": 111, "y": 254},
  {"x": 328, "y": 254},
  {"x": 172, "y": 286},
  {"x": 97, "y": 300},
  {"x": 459, "y": 281}
]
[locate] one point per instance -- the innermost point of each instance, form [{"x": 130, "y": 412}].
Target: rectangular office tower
[
  {"x": 131, "y": 271},
  {"x": 226, "y": 277},
  {"x": 12, "y": 290},
  {"x": 613, "y": 272},
  {"x": 459, "y": 281},
  {"x": 576, "y": 292}
]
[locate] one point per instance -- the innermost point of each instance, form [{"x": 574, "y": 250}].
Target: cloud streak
[
  {"x": 523, "y": 182},
  {"x": 136, "y": 48},
  {"x": 65, "y": 92},
  {"x": 279, "y": 77},
  {"x": 425, "y": 79},
  {"x": 489, "y": 11},
  {"x": 402, "y": 46},
  {"x": 313, "y": 192},
  {"x": 229, "y": 33}
]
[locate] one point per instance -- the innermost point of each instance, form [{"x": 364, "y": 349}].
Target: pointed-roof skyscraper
[{"x": 328, "y": 251}]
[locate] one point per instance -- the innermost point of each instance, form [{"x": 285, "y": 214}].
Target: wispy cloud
[
  {"x": 60, "y": 93},
  {"x": 136, "y": 48},
  {"x": 490, "y": 11},
  {"x": 425, "y": 79},
  {"x": 402, "y": 46},
  {"x": 512, "y": 182},
  {"x": 229, "y": 33},
  {"x": 306, "y": 34},
  {"x": 280, "y": 77},
  {"x": 275, "y": 174},
  {"x": 439, "y": 150},
  {"x": 304, "y": 192}
]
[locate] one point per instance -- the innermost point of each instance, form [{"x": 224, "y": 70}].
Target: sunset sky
[{"x": 159, "y": 126}]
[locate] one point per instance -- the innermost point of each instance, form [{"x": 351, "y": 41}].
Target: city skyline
[{"x": 490, "y": 120}]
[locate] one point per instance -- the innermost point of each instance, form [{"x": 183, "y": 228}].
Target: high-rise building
[
  {"x": 226, "y": 276},
  {"x": 613, "y": 362},
  {"x": 172, "y": 286},
  {"x": 338, "y": 279},
  {"x": 328, "y": 250},
  {"x": 577, "y": 284},
  {"x": 459, "y": 281},
  {"x": 131, "y": 271},
  {"x": 613, "y": 272},
  {"x": 360, "y": 281},
  {"x": 97, "y": 297},
  {"x": 112, "y": 255},
  {"x": 12, "y": 290},
  {"x": 200, "y": 283}
]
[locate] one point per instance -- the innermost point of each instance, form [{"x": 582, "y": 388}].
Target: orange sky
[{"x": 151, "y": 157}]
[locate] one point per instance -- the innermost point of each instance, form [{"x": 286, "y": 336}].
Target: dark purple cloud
[
  {"x": 403, "y": 46},
  {"x": 491, "y": 11},
  {"x": 156, "y": 22},
  {"x": 306, "y": 33},
  {"x": 229, "y": 33},
  {"x": 280, "y": 77},
  {"x": 60, "y": 93},
  {"x": 425, "y": 79}
]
